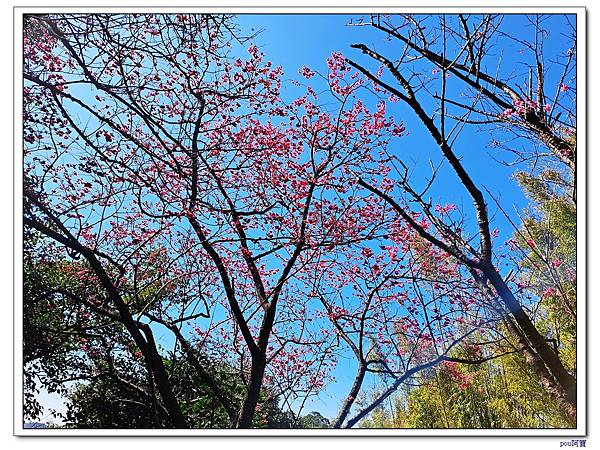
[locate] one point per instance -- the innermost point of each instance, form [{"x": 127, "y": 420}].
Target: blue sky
[{"x": 296, "y": 40}]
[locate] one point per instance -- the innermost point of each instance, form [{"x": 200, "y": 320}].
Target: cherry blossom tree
[
  {"x": 402, "y": 307},
  {"x": 192, "y": 193},
  {"x": 460, "y": 90},
  {"x": 172, "y": 189}
]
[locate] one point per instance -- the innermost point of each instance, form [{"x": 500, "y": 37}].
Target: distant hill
[{"x": 34, "y": 425}]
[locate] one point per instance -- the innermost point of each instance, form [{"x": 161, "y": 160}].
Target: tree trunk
[
  {"x": 543, "y": 359},
  {"x": 548, "y": 382},
  {"x": 162, "y": 380},
  {"x": 257, "y": 372},
  {"x": 349, "y": 401}
]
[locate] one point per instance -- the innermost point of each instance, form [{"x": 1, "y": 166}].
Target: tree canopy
[{"x": 209, "y": 242}]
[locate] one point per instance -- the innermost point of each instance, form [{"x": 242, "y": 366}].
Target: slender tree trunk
[
  {"x": 548, "y": 382},
  {"x": 442, "y": 399},
  {"x": 162, "y": 380},
  {"x": 257, "y": 372},
  {"x": 542, "y": 358},
  {"x": 349, "y": 401}
]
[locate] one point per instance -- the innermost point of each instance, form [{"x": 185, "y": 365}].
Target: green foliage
[
  {"x": 499, "y": 394},
  {"x": 123, "y": 398},
  {"x": 314, "y": 419},
  {"x": 105, "y": 403},
  {"x": 52, "y": 325},
  {"x": 549, "y": 237},
  {"x": 125, "y": 401},
  {"x": 198, "y": 404}
]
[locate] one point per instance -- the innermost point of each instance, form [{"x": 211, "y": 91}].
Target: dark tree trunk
[
  {"x": 147, "y": 346},
  {"x": 257, "y": 372},
  {"x": 162, "y": 380},
  {"x": 557, "y": 381},
  {"x": 349, "y": 401}
]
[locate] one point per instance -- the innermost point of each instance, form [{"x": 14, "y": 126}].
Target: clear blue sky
[{"x": 296, "y": 40}]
